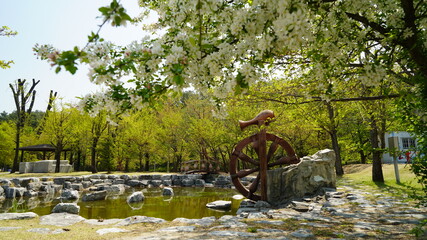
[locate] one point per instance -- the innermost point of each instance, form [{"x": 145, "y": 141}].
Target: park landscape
[{"x": 338, "y": 75}]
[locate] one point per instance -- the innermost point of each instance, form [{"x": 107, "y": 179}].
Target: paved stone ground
[{"x": 348, "y": 213}]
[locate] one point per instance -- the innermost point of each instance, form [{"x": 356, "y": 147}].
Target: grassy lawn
[{"x": 361, "y": 175}]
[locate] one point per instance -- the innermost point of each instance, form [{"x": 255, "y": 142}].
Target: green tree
[
  {"x": 98, "y": 125},
  {"x": 59, "y": 127},
  {"x": 142, "y": 129},
  {"x": 7, "y": 134}
]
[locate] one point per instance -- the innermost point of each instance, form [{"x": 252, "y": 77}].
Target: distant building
[{"x": 403, "y": 144}]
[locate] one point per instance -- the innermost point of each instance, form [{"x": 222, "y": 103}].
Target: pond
[{"x": 187, "y": 202}]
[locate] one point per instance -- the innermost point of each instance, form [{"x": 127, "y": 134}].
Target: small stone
[
  {"x": 302, "y": 233},
  {"x": 272, "y": 222},
  {"x": 178, "y": 229},
  {"x": 300, "y": 206},
  {"x": 270, "y": 230},
  {"x": 238, "y": 197},
  {"x": 110, "y": 230},
  {"x": 222, "y": 205},
  {"x": 39, "y": 230},
  {"x": 256, "y": 215},
  {"x": 139, "y": 219},
  {"x": 231, "y": 234}
]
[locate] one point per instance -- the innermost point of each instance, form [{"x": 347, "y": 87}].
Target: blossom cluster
[{"x": 223, "y": 46}]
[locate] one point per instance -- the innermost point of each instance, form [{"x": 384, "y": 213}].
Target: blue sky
[{"x": 64, "y": 24}]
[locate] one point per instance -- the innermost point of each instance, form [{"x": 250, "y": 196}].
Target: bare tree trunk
[
  {"x": 21, "y": 99},
  {"x": 52, "y": 97}
]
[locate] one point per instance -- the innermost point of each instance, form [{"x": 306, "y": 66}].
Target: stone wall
[{"x": 303, "y": 179}]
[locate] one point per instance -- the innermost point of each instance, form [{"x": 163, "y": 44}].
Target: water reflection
[{"x": 187, "y": 202}]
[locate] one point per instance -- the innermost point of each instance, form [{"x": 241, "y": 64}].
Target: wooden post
[{"x": 262, "y": 154}]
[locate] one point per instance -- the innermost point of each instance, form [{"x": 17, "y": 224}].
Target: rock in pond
[
  {"x": 99, "y": 195},
  {"x": 136, "y": 197},
  {"x": 72, "y": 208},
  {"x": 220, "y": 205},
  {"x": 167, "y": 191}
]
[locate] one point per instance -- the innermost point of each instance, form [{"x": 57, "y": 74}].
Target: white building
[{"x": 403, "y": 143}]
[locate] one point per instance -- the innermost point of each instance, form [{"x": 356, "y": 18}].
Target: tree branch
[{"x": 377, "y": 27}]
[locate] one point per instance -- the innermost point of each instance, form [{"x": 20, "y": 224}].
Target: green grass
[{"x": 408, "y": 183}]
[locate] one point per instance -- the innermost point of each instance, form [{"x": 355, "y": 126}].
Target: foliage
[
  {"x": 5, "y": 31},
  {"x": 416, "y": 122},
  {"x": 7, "y": 134}
]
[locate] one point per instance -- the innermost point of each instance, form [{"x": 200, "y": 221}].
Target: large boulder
[
  {"x": 306, "y": 178},
  {"x": 136, "y": 197},
  {"x": 95, "y": 196},
  {"x": 70, "y": 194},
  {"x": 72, "y": 208}
]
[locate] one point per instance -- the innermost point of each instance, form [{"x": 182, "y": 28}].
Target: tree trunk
[
  {"x": 377, "y": 171},
  {"x": 334, "y": 138},
  {"x": 93, "y": 155},
  {"x": 140, "y": 157},
  {"x": 335, "y": 146},
  {"x": 127, "y": 160},
  {"x": 79, "y": 156},
  {"x": 58, "y": 151},
  {"x": 147, "y": 162},
  {"x": 362, "y": 156},
  {"x": 15, "y": 166}
]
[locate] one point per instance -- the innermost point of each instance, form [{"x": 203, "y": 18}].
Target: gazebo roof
[{"x": 40, "y": 148}]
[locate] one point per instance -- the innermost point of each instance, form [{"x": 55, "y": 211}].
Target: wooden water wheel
[{"x": 254, "y": 155}]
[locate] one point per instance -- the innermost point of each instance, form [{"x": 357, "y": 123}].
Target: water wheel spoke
[
  {"x": 244, "y": 173},
  {"x": 272, "y": 150},
  {"x": 284, "y": 160},
  {"x": 254, "y": 185},
  {"x": 248, "y": 159}
]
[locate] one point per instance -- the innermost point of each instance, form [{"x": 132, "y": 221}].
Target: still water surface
[{"x": 188, "y": 202}]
